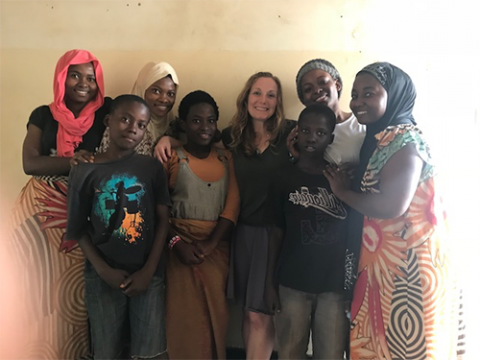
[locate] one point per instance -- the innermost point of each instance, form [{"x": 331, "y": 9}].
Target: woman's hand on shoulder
[
  {"x": 163, "y": 149},
  {"x": 291, "y": 141},
  {"x": 349, "y": 168},
  {"x": 82, "y": 156},
  {"x": 339, "y": 179}
]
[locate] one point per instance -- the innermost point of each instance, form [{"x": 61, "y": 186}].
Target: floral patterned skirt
[{"x": 49, "y": 274}]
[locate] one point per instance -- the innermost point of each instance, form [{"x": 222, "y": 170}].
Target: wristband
[{"x": 173, "y": 241}]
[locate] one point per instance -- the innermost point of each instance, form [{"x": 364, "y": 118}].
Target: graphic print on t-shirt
[
  {"x": 325, "y": 205},
  {"x": 117, "y": 205}
]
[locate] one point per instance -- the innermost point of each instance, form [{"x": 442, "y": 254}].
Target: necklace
[{"x": 263, "y": 143}]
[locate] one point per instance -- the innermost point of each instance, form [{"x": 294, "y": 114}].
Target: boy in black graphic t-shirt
[
  {"x": 118, "y": 212},
  {"x": 305, "y": 273}
]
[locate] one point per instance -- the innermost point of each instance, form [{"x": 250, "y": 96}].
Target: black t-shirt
[
  {"x": 114, "y": 202},
  {"x": 42, "y": 118},
  {"x": 254, "y": 174},
  {"x": 314, "y": 221}
]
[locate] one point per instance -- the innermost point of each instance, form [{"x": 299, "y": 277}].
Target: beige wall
[{"x": 215, "y": 45}]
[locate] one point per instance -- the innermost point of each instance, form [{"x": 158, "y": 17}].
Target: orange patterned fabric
[
  {"x": 53, "y": 322},
  {"x": 196, "y": 306},
  {"x": 406, "y": 301}
]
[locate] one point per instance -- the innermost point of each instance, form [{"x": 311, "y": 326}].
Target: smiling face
[
  {"x": 318, "y": 86},
  {"x": 369, "y": 99},
  {"x": 200, "y": 124},
  {"x": 160, "y": 96},
  {"x": 127, "y": 125},
  {"x": 80, "y": 84},
  {"x": 262, "y": 99},
  {"x": 315, "y": 133}
]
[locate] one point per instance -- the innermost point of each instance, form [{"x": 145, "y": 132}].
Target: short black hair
[
  {"x": 322, "y": 110},
  {"x": 194, "y": 98},
  {"x": 126, "y": 99}
]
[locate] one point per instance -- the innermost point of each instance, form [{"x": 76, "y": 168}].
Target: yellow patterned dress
[{"x": 406, "y": 301}]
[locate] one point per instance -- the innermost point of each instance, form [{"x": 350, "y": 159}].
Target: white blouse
[{"x": 349, "y": 136}]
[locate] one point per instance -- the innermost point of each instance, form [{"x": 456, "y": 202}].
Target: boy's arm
[
  {"x": 79, "y": 207},
  {"x": 161, "y": 231},
  {"x": 113, "y": 277},
  {"x": 138, "y": 282}
]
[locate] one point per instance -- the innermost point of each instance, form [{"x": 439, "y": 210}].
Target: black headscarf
[{"x": 401, "y": 99}]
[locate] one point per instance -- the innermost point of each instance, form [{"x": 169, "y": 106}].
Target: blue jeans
[
  {"x": 322, "y": 314},
  {"x": 117, "y": 320}
]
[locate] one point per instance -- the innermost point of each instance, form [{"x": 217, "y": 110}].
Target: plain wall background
[{"x": 216, "y": 45}]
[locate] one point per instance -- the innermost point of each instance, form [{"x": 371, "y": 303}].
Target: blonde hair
[{"x": 242, "y": 131}]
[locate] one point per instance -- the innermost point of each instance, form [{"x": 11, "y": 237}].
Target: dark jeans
[
  {"x": 117, "y": 319},
  {"x": 321, "y": 314}
]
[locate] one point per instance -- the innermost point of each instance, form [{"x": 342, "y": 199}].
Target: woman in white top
[{"x": 318, "y": 81}]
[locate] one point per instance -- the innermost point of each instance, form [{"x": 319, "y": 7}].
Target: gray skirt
[{"x": 248, "y": 267}]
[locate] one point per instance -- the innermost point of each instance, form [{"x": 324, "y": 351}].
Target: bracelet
[{"x": 173, "y": 241}]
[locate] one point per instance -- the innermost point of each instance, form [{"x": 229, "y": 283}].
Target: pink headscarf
[{"x": 71, "y": 129}]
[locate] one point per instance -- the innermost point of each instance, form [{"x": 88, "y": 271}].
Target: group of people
[{"x": 328, "y": 227}]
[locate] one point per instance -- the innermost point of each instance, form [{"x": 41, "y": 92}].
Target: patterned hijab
[
  {"x": 71, "y": 129},
  {"x": 151, "y": 73},
  {"x": 400, "y": 102}
]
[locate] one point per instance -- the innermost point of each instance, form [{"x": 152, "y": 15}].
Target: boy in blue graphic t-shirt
[
  {"x": 118, "y": 208},
  {"x": 305, "y": 272}
]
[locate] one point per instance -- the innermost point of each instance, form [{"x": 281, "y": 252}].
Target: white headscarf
[{"x": 151, "y": 73}]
